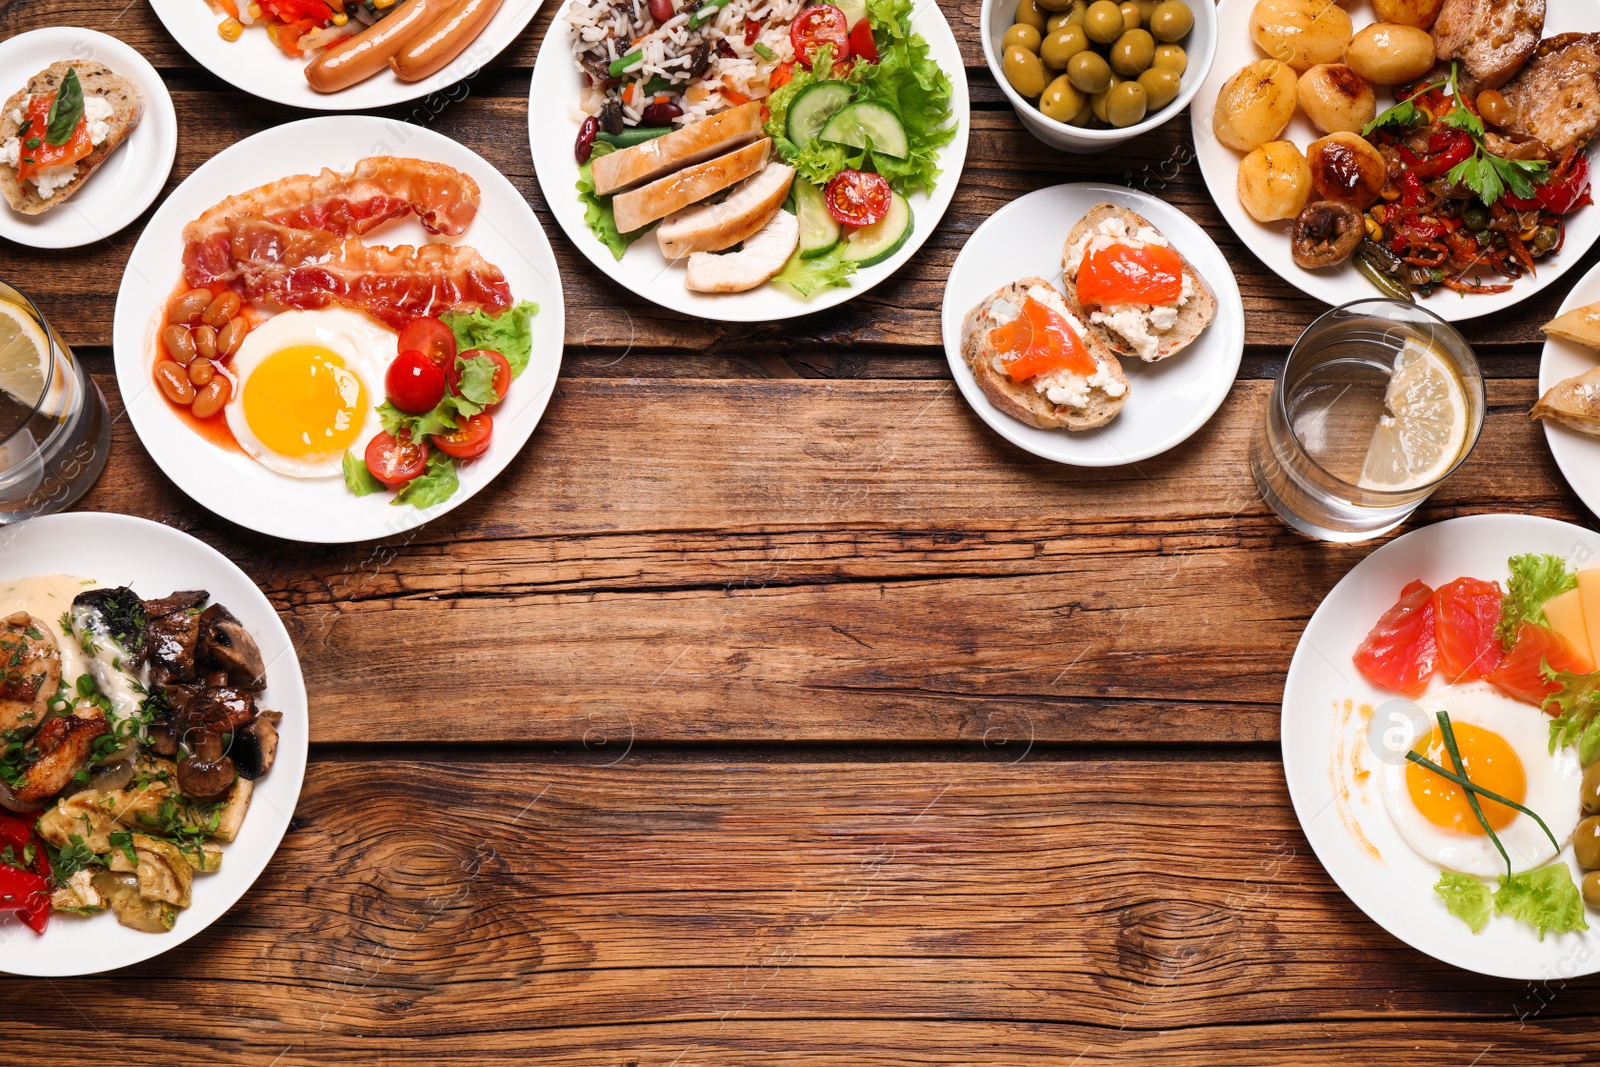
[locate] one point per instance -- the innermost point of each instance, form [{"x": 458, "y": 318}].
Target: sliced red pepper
[
  {"x": 26, "y": 894},
  {"x": 14, "y": 832},
  {"x": 1411, "y": 192},
  {"x": 1560, "y": 196}
]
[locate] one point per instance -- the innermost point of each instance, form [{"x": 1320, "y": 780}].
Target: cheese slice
[
  {"x": 1566, "y": 617},
  {"x": 1589, "y": 590}
]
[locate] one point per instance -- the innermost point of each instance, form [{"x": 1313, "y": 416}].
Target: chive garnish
[
  {"x": 1427, "y": 764},
  {"x": 1449, "y": 734}
]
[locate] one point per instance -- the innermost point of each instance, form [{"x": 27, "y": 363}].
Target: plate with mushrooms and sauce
[
  {"x": 1416, "y": 149},
  {"x": 153, "y": 731}
]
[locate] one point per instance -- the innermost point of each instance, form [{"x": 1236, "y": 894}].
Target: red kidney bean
[
  {"x": 661, "y": 10},
  {"x": 586, "y": 134},
  {"x": 661, "y": 114}
]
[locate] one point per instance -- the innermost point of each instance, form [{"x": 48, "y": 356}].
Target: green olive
[
  {"x": 1062, "y": 100},
  {"x": 1171, "y": 21},
  {"x": 1590, "y": 790},
  {"x": 1029, "y": 13},
  {"x": 1171, "y": 57},
  {"x": 1146, "y": 9},
  {"x": 1059, "y": 48},
  {"x": 1591, "y": 889},
  {"x": 1586, "y": 842},
  {"x": 1160, "y": 86},
  {"x": 1055, "y": 5},
  {"x": 1132, "y": 17},
  {"x": 1024, "y": 71},
  {"x": 1021, "y": 36},
  {"x": 1125, "y": 106},
  {"x": 1084, "y": 116},
  {"x": 1097, "y": 101},
  {"x": 1132, "y": 53},
  {"x": 1073, "y": 14},
  {"x": 1103, "y": 20},
  {"x": 1090, "y": 72}
]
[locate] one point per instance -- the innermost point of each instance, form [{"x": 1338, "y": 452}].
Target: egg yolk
[
  {"x": 303, "y": 402},
  {"x": 1489, "y": 761}
]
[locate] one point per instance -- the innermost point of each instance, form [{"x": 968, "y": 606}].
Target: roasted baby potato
[
  {"x": 1255, "y": 104},
  {"x": 1334, "y": 97},
  {"x": 1301, "y": 33},
  {"x": 1274, "y": 181},
  {"x": 1387, "y": 53},
  {"x": 1346, "y": 168},
  {"x": 1418, "y": 13}
]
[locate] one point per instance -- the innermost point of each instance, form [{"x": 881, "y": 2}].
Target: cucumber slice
[
  {"x": 854, "y": 11},
  {"x": 812, "y": 109},
  {"x": 862, "y": 124},
  {"x": 819, "y": 231},
  {"x": 876, "y": 243}
]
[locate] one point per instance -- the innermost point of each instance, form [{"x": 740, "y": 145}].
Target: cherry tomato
[
  {"x": 394, "y": 461},
  {"x": 816, "y": 26},
  {"x": 430, "y": 337},
  {"x": 857, "y": 198},
  {"x": 470, "y": 440},
  {"x": 502, "y": 372},
  {"x": 415, "y": 383},
  {"x": 862, "y": 46}
]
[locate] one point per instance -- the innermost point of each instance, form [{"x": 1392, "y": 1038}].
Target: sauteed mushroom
[
  {"x": 226, "y": 644},
  {"x": 207, "y": 772},
  {"x": 1325, "y": 233}
]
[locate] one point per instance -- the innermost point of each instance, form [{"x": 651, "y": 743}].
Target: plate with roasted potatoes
[{"x": 1437, "y": 151}]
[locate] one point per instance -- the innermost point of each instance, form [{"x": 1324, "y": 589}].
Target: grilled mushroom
[
  {"x": 1325, "y": 234},
  {"x": 255, "y": 745},
  {"x": 220, "y": 710},
  {"x": 112, "y": 616},
  {"x": 227, "y": 645},
  {"x": 206, "y": 773}
]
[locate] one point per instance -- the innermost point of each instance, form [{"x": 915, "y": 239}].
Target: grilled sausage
[
  {"x": 445, "y": 38},
  {"x": 355, "y": 59}
]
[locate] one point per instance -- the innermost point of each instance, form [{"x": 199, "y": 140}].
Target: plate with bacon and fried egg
[{"x": 339, "y": 329}]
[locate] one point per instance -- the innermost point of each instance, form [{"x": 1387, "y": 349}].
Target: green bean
[
  {"x": 623, "y": 64},
  {"x": 633, "y": 135}
]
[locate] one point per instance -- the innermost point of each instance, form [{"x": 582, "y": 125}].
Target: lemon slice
[
  {"x": 1425, "y": 426},
  {"x": 24, "y": 355}
]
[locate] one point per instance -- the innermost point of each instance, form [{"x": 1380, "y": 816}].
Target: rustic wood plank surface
[{"x": 770, "y": 709}]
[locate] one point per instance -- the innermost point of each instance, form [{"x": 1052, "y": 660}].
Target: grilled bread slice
[
  {"x": 1193, "y": 316},
  {"x": 97, "y": 79},
  {"x": 1022, "y": 400}
]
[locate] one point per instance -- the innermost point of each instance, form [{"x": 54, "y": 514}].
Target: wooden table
[{"x": 770, "y": 709}]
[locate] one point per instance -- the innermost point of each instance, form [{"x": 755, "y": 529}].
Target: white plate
[
  {"x": 323, "y": 510},
  {"x": 1270, "y": 241},
  {"x": 256, "y": 65},
  {"x": 1167, "y": 401},
  {"x": 131, "y": 177},
  {"x": 1577, "y": 454},
  {"x": 155, "y": 560},
  {"x": 1395, "y": 888},
  {"x": 644, "y": 270}
]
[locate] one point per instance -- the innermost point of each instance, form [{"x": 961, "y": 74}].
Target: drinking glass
[
  {"x": 55, "y": 437},
  {"x": 1310, "y": 454}
]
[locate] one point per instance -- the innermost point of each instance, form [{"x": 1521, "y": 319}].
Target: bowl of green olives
[{"x": 1084, "y": 75}]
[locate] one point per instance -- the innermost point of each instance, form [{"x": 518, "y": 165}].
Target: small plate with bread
[
  {"x": 87, "y": 137},
  {"x": 1093, "y": 325}
]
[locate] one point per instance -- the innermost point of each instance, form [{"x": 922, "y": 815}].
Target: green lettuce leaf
[
  {"x": 808, "y": 276},
  {"x": 1534, "y": 579},
  {"x": 357, "y": 478},
  {"x": 1545, "y": 898},
  {"x": 597, "y": 209},
  {"x": 509, "y": 333},
  {"x": 820, "y": 160},
  {"x": 1466, "y": 898},
  {"x": 441, "y": 419},
  {"x": 909, "y": 83},
  {"x": 433, "y": 486},
  {"x": 476, "y": 387},
  {"x": 1576, "y": 722}
]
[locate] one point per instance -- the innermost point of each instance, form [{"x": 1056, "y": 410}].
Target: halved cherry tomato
[
  {"x": 430, "y": 337},
  {"x": 821, "y": 24},
  {"x": 502, "y": 371},
  {"x": 1125, "y": 274},
  {"x": 862, "y": 46},
  {"x": 1400, "y": 653},
  {"x": 1465, "y": 612},
  {"x": 1038, "y": 341},
  {"x": 44, "y": 154},
  {"x": 1519, "y": 674},
  {"x": 394, "y": 461},
  {"x": 857, "y": 198},
  {"x": 470, "y": 439},
  {"x": 415, "y": 383}
]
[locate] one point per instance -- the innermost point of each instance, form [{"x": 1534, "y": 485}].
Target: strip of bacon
[
  {"x": 380, "y": 188},
  {"x": 282, "y": 267}
]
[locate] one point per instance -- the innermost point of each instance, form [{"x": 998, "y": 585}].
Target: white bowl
[{"x": 1201, "y": 45}]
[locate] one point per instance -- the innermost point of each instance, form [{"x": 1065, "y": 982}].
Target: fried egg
[
  {"x": 307, "y": 388},
  {"x": 1505, "y": 748}
]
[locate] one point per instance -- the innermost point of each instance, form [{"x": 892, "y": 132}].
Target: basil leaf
[{"x": 65, "y": 111}]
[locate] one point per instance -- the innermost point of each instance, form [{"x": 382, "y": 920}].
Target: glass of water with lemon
[
  {"x": 55, "y": 431},
  {"x": 1378, "y": 402}
]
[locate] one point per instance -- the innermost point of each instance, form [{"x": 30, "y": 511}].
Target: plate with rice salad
[{"x": 748, "y": 160}]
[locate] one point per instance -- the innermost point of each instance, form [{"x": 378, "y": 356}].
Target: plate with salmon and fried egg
[
  {"x": 339, "y": 329},
  {"x": 1441, "y": 742}
]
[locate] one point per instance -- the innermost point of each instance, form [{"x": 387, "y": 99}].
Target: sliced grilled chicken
[
  {"x": 664, "y": 196},
  {"x": 1556, "y": 98},
  {"x": 682, "y": 147},
  {"x": 1491, "y": 38},
  {"x": 761, "y": 257},
  {"x": 30, "y": 672},
  {"x": 742, "y": 214}
]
